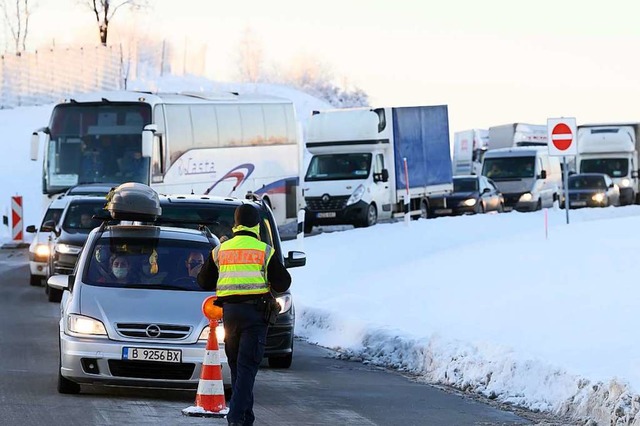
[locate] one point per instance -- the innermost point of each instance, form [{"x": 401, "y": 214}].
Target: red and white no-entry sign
[
  {"x": 562, "y": 136},
  {"x": 16, "y": 219}
]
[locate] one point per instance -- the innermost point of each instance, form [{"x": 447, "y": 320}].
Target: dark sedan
[
  {"x": 471, "y": 194},
  {"x": 592, "y": 190}
]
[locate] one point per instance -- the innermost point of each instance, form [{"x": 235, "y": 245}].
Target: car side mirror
[
  {"x": 59, "y": 282},
  {"x": 295, "y": 259},
  {"x": 543, "y": 174},
  {"x": 486, "y": 190},
  {"x": 611, "y": 185},
  {"x": 31, "y": 229},
  {"x": 50, "y": 226}
]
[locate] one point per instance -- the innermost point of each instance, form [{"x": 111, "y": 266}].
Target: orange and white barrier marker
[
  {"x": 210, "y": 400},
  {"x": 16, "y": 219}
]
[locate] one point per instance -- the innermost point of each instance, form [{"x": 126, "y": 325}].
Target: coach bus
[{"x": 225, "y": 144}]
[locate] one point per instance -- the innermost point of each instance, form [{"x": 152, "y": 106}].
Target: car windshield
[
  {"x": 587, "y": 182},
  {"x": 465, "y": 185},
  {"x": 508, "y": 168},
  {"x": 339, "y": 167},
  {"x": 216, "y": 216},
  {"x": 151, "y": 263},
  {"x": 614, "y": 167},
  {"x": 79, "y": 216}
]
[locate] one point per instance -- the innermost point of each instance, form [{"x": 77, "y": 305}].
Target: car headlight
[
  {"x": 625, "y": 182},
  {"x": 356, "y": 196},
  {"x": 526, "y": 197},
  {"x": 469, "y": 202},
  {"x": 67, "y": 249},
  {"x": 285, "y": 302},
  {"x": 598, "y": 198},
  {"x": 204, "y": 335},
  {"x": 42, "y": 252},
  {"x": 79, "y": 324}
]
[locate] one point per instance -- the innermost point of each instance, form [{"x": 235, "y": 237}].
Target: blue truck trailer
[{"x": 364, "y": 164}]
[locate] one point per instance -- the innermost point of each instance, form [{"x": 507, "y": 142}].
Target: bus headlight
[
  {"x": 598, "y": 198},
  {"x": 526, "y": 197},
  {"x": 356, "y": 196}
]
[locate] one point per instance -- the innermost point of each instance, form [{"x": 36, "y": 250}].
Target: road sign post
[{"x": 562, "y": 133}]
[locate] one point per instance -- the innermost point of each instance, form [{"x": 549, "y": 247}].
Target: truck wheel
[{"x": 372, "y": 215}]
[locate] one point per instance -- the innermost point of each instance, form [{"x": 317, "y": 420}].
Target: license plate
[
  {"x": 326, "y": 214},
  {"x": 443, "y": 211},
  {"x": 579, "y": 203},
  {"x": 150, "y": 354}
]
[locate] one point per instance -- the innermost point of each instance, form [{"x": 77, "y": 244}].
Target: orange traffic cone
[{"x": 210, "y": 400}]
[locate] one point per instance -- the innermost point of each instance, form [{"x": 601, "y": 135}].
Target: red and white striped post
[{"x": 16, "y": 219}]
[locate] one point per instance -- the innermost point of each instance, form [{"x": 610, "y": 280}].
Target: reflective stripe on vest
[{"x": 242, "y": 266}]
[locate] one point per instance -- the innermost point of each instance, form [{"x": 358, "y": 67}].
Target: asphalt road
[{"x": 317, "y": 390}]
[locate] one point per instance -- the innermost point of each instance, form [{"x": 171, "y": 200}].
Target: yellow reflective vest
[{"x": 242, "y": 266}]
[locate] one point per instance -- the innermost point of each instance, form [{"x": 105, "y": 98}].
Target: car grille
[
  {"x": 333, "y": 203},
  {"x": 151, "y": 370},
  {"x": 166, "y": 331},
  {"x": 511, "y": 199},
  {"x": 580, "y": 197}
]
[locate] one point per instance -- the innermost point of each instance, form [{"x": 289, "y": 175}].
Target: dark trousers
[{"x": 245, "y": 338}]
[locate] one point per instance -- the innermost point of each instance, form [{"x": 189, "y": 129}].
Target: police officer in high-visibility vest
[{"x": 242, "y": 270}]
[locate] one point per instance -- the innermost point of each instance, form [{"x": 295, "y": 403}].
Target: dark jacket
[{"x": 279, "y": 278}]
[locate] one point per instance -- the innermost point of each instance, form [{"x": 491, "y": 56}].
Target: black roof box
[{"x": 135, "y": 202}]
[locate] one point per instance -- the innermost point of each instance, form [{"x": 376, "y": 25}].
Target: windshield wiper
[{"x": 157, "y": 287}]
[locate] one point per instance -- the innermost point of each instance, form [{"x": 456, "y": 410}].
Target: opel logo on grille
[
  {"x": 153, "y": 331},
  {"x": 325, "y": 198}
]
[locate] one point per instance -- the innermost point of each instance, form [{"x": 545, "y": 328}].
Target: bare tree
[
  {"x": 104, "y": 10},
  {"x": 16, "y": 16},
  {"x": 250, "y": 57}
]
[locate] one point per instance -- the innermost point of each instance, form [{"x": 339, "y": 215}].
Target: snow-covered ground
[{"x": 484, "y": 303}]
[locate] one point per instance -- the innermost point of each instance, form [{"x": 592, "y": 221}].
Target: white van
[{"x": 528, "y": 177}]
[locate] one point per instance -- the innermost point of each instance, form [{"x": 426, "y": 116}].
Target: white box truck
[
  {"x": 356, "y": 174},
  {"x": 469, "y": 147},
  {"x": 611, "y": 149},
  {"x": 517, "y": 134}
]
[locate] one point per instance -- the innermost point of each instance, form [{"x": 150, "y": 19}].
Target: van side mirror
[
  {"x": 634, "y": 174},
  {"x": 295, "y": 259},
  {"x": 543, "y": 174},
  {"x": 31, "y": 229},
  {"x": 148, "y": 134},
  {"x": 385, "y": 175}
]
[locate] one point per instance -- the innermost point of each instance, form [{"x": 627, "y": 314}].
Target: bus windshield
[
  {"x": 96, "y": 143},
  {"x": 339, "y": 167}
]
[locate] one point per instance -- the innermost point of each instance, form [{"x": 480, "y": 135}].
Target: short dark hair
[{"x": 247, "y": 215}]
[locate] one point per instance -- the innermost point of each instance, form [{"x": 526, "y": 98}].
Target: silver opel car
[{"x": 131, "y": 314}]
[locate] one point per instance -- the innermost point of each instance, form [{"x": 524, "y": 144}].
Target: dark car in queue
[
  {"x": 471, "y": 194},
  {"x": 71, "y": 233},
  {"x": 592, "y": 190},
  {"x": 217, "y": 214}
]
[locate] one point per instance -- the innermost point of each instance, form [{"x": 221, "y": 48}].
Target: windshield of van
[
  {"x": 79, "y": 216},
  {"x": 217, "y": 217},
  {"x": 508, "y": 168},
  {"x": 151, "y": 263},
  {"x": 339, "y": 167},
  {"x": 614, "y": 167},
  {"x": 465, "y": 185}
]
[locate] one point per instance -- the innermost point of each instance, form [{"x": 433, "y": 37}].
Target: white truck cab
[{"x": 613, "y": 150}]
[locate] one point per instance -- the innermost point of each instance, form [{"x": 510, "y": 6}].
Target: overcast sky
[{"x": 491, "y": 61}]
